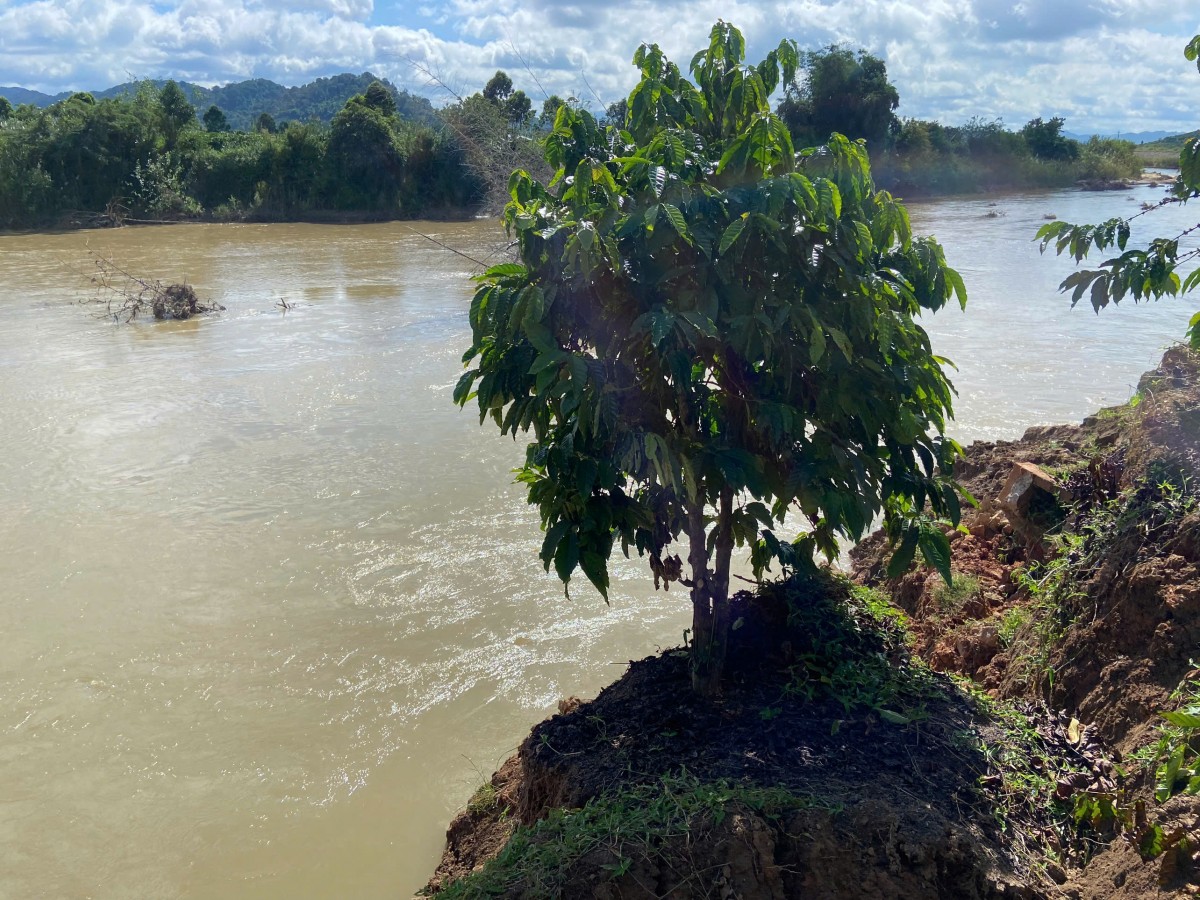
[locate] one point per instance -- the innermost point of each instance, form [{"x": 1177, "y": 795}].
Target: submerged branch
[{"x": 124, "y": 296}]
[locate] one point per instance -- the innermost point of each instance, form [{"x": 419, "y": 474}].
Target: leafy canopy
[
  {"x": 844, "y": 92},
  {"x": 706, "y": 327}
]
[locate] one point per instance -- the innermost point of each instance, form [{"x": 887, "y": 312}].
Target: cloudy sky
[{"x": 1106, "y": 65}]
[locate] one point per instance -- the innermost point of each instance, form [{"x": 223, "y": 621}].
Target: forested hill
[{"x": 244, "y": 101}]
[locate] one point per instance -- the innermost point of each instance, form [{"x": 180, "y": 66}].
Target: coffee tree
[{"x": 707, "y": 332}]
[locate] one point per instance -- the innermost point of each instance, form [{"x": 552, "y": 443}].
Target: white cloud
[{"x": 1105, "y": 64}]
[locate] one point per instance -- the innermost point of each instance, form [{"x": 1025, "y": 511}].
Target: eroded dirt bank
[{"x": 997, "y": 737}]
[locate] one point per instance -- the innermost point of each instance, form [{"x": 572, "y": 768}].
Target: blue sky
[{"x": 1105, "y": 65}]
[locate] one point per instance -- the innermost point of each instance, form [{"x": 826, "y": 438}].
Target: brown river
[{"x": 270, "y": 606}]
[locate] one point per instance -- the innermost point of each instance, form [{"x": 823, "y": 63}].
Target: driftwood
[{"x": 125, "y": 296}]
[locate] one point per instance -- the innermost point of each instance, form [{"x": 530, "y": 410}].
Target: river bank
[
  {"x": 94, "y": 221},
  {"x": 842, "y": 762},
  {"x": 921, "y": 189}
]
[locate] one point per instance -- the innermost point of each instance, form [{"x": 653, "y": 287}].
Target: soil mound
[{"x": 832, "y": 766}]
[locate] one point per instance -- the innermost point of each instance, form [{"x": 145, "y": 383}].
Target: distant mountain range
[{"x": 244, "y": 101}]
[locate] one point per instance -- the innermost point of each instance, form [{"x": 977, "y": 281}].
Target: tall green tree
[
  {"x": 518, "y": 108},
  {"x": 549, "y": 110},
  {"x": 1141, "y": 273},
  {"x": 177, "y": 112},
  {"x": 499, "y": 88},
  {"x": 841, "y": 92},
  {"x": 1046, "y": 140},
  {"x": 364, "y": 160},
  {"x": 378, "y": 97},
  {"x": 215, "y": 121},
  {"x": 615, "y": 113},
  {"x": 493, "y": 130},
  {"x": 706, "y": 333}
]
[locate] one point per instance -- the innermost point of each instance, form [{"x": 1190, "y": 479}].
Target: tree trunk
[{"x": 710, "y": 596}]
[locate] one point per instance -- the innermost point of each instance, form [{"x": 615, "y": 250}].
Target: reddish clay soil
[{"x": 1129, "y": 621}]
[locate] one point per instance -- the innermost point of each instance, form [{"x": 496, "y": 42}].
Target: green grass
[
  {"x": 1011, "y": 624},
  {"x": 951, "y": 597},
  {"x": 484, "y": 799},
  {"x": 615, "y": 833}
]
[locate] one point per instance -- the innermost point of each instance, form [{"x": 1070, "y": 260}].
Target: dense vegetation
[
  {"x": 850, "y": 93},
  {"x": 929, "y": 158},
  {"x": 147, "y": 155}
]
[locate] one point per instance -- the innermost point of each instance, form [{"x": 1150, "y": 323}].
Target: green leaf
[
  {"x": 960, "y": 289},
  {"x": 595, "y": 567},
  {"x": 1152, "y": 843},
  {"x": 505, "y": 270},
  {"x": 463, "y": 388},
  {"x": 553, "y": 538},
  {"x": 1168, "y": 774},
  {"x": 566, "y": 557},
  {"x": 732, "y": 233},
  {"x": 935, "y": 547},
  {"x": 816, "y": 344},
  {"x": 904, "y": 554},
  {"x": 1193, "y": 330},
  {"x": 677, "y": 221},
  {"x": 1185, "y": 718},
  {"x": 546, "y": 359}
]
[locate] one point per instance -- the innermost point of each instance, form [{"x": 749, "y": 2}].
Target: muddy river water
[{"x": 270, "y": 606}]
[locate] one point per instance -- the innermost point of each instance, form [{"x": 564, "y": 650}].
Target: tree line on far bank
[
  {"x": 148, "y": 155},
  {"x": 151, "y": 154},
  {"x": 850, "y": 93}
]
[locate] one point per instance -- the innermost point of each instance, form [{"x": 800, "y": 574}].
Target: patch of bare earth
[{"x": 1120, "y": 632}]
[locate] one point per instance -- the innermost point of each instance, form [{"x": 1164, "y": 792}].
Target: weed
[
  {"x": 852, "y": 646},
  {"x": 951, "y": 596},
  {"x": 1109, "y": 814},
  {"x": 1011, "y": 624},
  {"x": 484, "y": 800},
  {"x": 1175, "y": 756}
]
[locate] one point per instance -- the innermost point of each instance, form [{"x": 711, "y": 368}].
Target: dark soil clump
[{"x": 884, "y": 769}]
